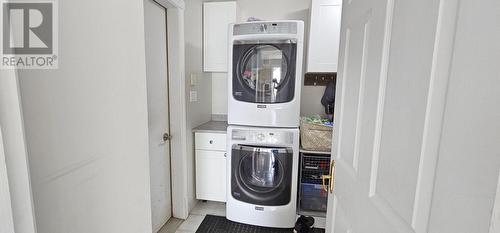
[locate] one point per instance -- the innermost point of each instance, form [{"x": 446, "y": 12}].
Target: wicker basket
[{"x": 315, "y": 137}]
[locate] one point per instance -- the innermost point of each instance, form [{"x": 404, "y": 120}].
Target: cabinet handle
[
  {"x": 211, "y": 142},
  {"x": 225, "y": 154}
]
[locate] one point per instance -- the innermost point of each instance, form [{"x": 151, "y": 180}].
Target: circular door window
[
  {"x": 261, "y": 172},
  {"x": 264, "y": 69}
]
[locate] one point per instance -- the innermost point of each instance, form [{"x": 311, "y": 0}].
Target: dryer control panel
[{"x": 265, "y": 28}]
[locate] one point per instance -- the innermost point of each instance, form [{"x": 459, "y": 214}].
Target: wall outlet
[{"x": 193, "y": 96}]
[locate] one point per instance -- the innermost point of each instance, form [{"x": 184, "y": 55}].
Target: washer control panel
[{"x": 262, "y": 136}]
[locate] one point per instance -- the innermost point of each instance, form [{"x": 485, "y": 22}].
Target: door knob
[
  {"x": 330, "y": 178},
  {"x": 166, "y": 137}
]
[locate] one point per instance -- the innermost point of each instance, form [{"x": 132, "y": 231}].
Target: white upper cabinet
[
  {"x": 216, "y": 19},
  {"x": 324, "y": 36}
]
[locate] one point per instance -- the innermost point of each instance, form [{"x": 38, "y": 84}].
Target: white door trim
[
  {"x": 172, "y": 4},
  {"x": 6, "y": 218},
  {"x": 178, "y": 116},
  {"x": 495, "y": 216},
  {"x": 16, "y": 157}
]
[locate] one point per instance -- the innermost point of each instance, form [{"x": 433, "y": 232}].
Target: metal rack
[{"x": 312, "y": 199}]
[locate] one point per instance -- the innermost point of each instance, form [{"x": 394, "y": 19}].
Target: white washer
[
  {"x": 265, "y": 73},
  {"x": 262, "y": 168}
]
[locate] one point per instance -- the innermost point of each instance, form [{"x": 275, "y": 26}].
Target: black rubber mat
[{"x": 218, "y": 224}]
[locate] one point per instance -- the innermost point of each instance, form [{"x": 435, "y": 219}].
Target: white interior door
[
  {"x": 398, "y": 64},
  {"x": 6, "y": 216},
  {"x": 384, "y": 79},
  {"x": 158, "y": 112}
]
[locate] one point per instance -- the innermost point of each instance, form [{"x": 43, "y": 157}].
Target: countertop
[{"x": 212, "y": 127}]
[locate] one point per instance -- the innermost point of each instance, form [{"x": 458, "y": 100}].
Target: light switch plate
[
  {"x": 193, "y": 79},
  {"x": 193, "y": 96}
]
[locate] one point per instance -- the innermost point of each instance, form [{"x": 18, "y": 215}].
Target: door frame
[
  {"x": 177, "y": 99},
  {"x": 495, "y": 216},
  {"x": 6, "y": 215},
  {"x": 14, "y": 155}
]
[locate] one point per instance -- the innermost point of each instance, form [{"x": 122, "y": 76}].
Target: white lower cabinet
[{"x": 210, "y": 168}]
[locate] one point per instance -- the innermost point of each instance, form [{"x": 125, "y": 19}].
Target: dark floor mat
[{"x": 218, "y": 224}]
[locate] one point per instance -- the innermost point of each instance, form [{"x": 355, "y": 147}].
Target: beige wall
[
  {"x": 86, "y": 123},
  {"x": 271, "y": 10},
  {"x": 200, "y": 111}
]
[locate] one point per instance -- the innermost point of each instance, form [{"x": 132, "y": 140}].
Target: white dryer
[
  {"x": 262, "y": 168},
  {"x": 265, "y": 73}
]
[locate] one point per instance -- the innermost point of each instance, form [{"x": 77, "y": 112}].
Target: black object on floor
[
  {"x": 218, "y": 224},
  {"x": 304, "y": 224}
]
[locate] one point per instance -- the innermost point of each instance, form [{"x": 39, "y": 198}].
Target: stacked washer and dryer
[{"x": 264, "y": 85}]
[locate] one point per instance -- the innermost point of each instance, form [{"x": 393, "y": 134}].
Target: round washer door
[{"x": 261, "y": 175}]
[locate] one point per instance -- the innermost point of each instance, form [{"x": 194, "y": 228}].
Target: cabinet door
[
  {"x": 324, "y": 36},
  {"x": 211, "y": 175},
  {"x": 216, "y": 19}
]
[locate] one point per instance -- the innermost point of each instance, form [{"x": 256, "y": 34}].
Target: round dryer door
[
  {"x": 264, "y": 73},
  {"x": 261, "y": 175}
]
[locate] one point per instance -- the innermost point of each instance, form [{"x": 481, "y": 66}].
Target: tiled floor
[
  {"x": 171, "y": 226},
  {"x": 198, "y": 213},
  {"x": 209, "y": 207},
  {"x": 191, "y": 224}
]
